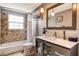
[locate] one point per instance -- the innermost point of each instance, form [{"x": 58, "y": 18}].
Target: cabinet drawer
[
  {"x": 57, "y": 50},
  {"x": 47, "y": 43}
]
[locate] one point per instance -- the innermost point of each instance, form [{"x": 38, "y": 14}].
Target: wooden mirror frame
[{"x": 74, "y": 17}]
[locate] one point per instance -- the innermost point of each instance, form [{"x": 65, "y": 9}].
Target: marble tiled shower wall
[{"x": 9, "y": 35}]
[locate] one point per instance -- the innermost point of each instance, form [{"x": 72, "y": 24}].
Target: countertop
[{"x": 58, "y": 41}]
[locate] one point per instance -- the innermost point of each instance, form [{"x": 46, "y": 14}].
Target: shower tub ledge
[{"x": 8, "y": 48}]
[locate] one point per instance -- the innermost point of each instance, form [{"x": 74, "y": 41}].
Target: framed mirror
[{"x": 62, "y": 16}]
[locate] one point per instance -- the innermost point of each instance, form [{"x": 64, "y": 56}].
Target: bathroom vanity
[
  {"x": 50, "y": 46},
  {"x": 61, "y": 16}
]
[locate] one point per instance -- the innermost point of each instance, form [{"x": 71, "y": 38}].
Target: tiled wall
[
  {"x": 68, "y": 33},
  {"x": 9, "y": 35}
]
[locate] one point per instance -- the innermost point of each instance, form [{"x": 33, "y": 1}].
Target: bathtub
[{"x": 8, "y": 48}]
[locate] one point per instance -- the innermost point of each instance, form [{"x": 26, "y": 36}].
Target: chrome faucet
[
  {"x": 64, "y": 37},
  {"x": 55, "y": 35}
]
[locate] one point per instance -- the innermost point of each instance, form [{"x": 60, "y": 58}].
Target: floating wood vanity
[{"x": 55, "y": 47}]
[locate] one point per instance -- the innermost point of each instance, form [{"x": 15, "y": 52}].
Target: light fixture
[
  {"x": 52, "y": 14},
  {"x": 42, "y": 10},
  {"x": 74, "y": 6}
]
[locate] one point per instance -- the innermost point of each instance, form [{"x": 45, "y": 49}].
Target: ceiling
[{"x": 26, "y": 7}]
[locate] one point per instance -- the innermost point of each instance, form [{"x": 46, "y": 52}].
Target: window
[{"x": 15, "y": 22}]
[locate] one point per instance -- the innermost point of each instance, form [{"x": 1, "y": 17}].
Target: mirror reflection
[{"x": 60, "y": 16}]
